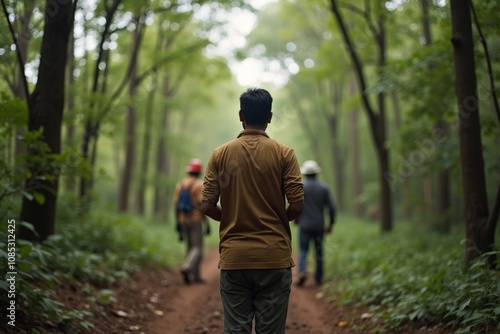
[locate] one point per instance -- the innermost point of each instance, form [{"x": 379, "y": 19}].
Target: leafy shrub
[
  {"x": 98, "y": 249},
  {"x": 412, "y": 274}
]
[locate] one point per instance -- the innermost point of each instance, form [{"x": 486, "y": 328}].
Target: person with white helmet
[
  {"x": 191, "y": 220},
  {"x": 312, "y": 220}
]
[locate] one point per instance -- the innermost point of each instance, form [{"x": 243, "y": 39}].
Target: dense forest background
[
  {"x": 103, "y": 103},
  {"x": 367, "y": 89}
]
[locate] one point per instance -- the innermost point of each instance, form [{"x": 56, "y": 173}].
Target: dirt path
[
  {"x": 197, "y": 309},
  {"x": 156, "y": 301}
]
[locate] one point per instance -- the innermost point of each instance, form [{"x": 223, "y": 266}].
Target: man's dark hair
[{"x": 256, "y": 104}]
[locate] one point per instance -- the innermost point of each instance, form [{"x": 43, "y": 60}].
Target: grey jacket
[{"x": 317, "y": 199}]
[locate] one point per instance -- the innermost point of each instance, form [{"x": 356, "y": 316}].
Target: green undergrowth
[
  {"x": 413, "y": 274},
  {"x": 97, "y": 251}
]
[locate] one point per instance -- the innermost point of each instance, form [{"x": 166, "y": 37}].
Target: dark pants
[
  {"x": 305, "y": 238},
  {"x": 260, "y": 294}
]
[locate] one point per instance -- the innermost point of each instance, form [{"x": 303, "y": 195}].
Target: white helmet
[{"x": 310, "y": 167}]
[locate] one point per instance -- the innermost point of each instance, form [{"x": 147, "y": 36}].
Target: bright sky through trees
[{"x": 250, "y": 71}]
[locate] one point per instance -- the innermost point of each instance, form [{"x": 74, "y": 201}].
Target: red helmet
[{"x": 195, "y": 166}]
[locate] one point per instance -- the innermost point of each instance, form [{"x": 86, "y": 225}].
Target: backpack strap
[{"x": 189, "y": 186}]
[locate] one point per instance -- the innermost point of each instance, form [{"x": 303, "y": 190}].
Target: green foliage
[
  {"x": 97, "y": 250},
  {"x": 413, "y": 274}
]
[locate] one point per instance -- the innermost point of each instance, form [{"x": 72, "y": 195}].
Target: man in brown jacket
[{"x": 251, "y": 176}]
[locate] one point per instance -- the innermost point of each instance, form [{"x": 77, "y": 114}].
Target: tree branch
[
  {"x": 19, "y": 56},
  {"x": 358, "y": 69},
  {"x": 364, "y": 14},
  {"x": 488, "y": 62}
]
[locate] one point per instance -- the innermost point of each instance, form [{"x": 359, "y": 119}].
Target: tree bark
[
  {"x": 46, "y": 113},
  {"x": 480, "y": 234}
]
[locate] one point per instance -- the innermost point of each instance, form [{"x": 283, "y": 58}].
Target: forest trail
[
  {"x": 156, "y": 301},
  {"x": 197, "y": 308}
]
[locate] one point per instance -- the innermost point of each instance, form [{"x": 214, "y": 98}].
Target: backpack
[{"x": 184, "y": 203}]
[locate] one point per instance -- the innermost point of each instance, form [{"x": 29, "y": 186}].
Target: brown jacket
[{"x": 252, "y": 177}]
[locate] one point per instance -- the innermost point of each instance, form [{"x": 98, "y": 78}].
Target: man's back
[
  {"x": 317, "y": 199},
  {"x": 254, "y": 175}
]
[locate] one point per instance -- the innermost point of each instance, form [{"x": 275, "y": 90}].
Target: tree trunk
[
  {"x": 354, "y": 148},
  {"x": 386, "y": 198},
  {"x": 333, "y": 120},
  {"x": 443, "y": 187},
  {"x": 161, "y": 200},
  {"x": 19, "y": 90},
  {"x": 92, "y": 123},
  {"x": 70, "y": 111},
  {"x": 47, "y": 101},
  {"x": 126, "y": 177},
  {"x": 130, "y": 135},
  {"x": 376, "y": 121},
  {"x": 480, "y": 234},
  {"x": 312, "y": 137},
  {"x": 146, "y": 147},
  {"x": 443, "y": 177}
]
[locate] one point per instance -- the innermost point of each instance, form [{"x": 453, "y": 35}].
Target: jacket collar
[{"x": 252, "y": 132}]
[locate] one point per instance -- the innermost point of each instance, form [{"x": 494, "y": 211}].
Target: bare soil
[{"x": 156, "y": 301}]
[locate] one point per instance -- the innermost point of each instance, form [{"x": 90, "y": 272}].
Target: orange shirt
[
  {"x": 196, "y": 191},
  {"x": 252, "y": 175}
]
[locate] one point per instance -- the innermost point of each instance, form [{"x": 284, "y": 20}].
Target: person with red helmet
[{"x": 191, "y": 221}]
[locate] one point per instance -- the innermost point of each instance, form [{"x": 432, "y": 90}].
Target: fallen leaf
[
  {"x": 366, "y": 316},
  {"x": 120, "y": 313},
  {"x": 342, "y": 323},
  {"x": 320, "y": 295}
]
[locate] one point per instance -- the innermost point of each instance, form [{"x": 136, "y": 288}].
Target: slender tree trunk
[
  {"x": 333, "y": 126},
  {"x": 480, "y": 236},
  {"x": 92, "y": 123},
  {"x": 146, "y": 147},
  {"x": 130, "y": 136},
  {"x": 386, "y": 198},
  {"x": 70, "y": 110},
  {"x": 376, "y": 121},
  {"x": 46, "y": 112},
  {"x": 443, "y": 177},
  {"x": 161, "y": 200},
  {"x": 354, "y": 149},
  {"x": 18, "y": 88},
  {"x": 428, "y": 199},
  {"x": 314, "y": 143},
  {"x": 402, "y": 194},
  {"x": 443, "y": 186}
]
